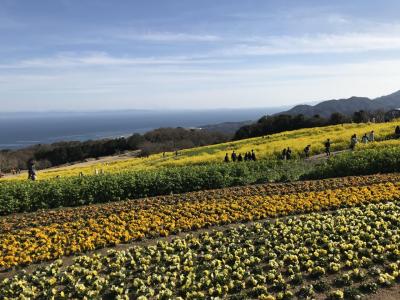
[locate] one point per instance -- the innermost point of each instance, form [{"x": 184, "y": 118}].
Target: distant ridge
[{"x": 347, "y": 106}]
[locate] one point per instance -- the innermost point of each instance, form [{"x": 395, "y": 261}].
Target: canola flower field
[
  {"x": 344, "y": 254},
  {"x": 266, "y": 148}
]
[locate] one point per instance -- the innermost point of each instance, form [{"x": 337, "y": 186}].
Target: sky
[{"x": 190, "y": 54}]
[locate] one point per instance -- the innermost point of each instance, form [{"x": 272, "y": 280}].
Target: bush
[
  {"x": 366, "y": 162},
  {"x": 25, "y": 196}
]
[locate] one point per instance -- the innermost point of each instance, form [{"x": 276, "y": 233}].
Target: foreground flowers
[
  {"x": 50, "y": 236},
  {"x": 344, "y": 254}
]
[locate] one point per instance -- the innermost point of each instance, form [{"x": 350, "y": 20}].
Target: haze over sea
[{"x": 18, "y": 130}]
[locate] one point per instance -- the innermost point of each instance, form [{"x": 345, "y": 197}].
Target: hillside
[
  {"x": 227, "y": 127},
  {"x": 347, "y": 106},
  {"x": 265, "y": 148}
]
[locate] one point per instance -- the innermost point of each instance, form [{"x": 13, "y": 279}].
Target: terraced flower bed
[
  {"x": 347, "y": 254},
  {"x": 25, "y": 239}
]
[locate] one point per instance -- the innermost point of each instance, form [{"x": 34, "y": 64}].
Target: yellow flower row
[
  {"x": 339, "y": 256},
  {"x": 67, "y": 215},
  {"x": 265, "y": 147},
  {"x": 156, "y": 218}
]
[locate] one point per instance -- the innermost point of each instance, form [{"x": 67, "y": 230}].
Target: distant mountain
[{"x": 347, "y": 106}]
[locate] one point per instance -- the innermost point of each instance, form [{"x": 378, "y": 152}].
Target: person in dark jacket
[
  {"x": 284, "y": 156},
  {"x": 240, "y": 157},
  {"x": 226, "y": 159},
  {"x": 253, "y": 155},
  {"x": 233, "y": 156},
  {"x": 288, "y": 153},
  {"x": 328, "y": 147},
  {"x": 246, "y": 157},
  {"x": 307, "y": 151},
  {"x": 31, "y": 170},
  {"x": 397, "y": 131}
]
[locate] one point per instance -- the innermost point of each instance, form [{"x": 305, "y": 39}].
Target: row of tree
[
  {"x": 155, "y": 141},
  {"x": 283, "y": 122}
]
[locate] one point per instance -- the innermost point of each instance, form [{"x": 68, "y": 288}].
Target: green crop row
[{"x": 25, "y": 196}]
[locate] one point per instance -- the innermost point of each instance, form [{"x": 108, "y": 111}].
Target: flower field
[
  {"x": 347, "y": 253},
  {"x": 265, "y": 147},
  {"x": 47, "y": 235}
]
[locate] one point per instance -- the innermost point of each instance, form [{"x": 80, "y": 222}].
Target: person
[
  {"x": 240, "y": 157},
  {"x": 233, "y": 156},
  {"x": 397, "y": 131},
  {"x": 328, "y": 147},
  {"x": 353, "y": 141},
  {"x": 246, "y": 157},
  {"x": 31, "y": 170},
  {"x": 288, "y": 153},
  {"x": 307, "y": 151},
  {"x": 372, "y": 136},
  {"x": 253, "y": 155},
  {"x": 284, "y": 154},
  {"x": 226, "y": 159},
  {"x": 364, "y": 139}
]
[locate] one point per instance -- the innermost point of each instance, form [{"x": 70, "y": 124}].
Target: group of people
[
  {"x": 286, "y": 154},
  {"x": 246, "y": 157},
  {"x": 370, "y": 137}
]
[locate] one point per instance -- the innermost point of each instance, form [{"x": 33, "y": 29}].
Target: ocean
[{"x": 18, "y": 130}]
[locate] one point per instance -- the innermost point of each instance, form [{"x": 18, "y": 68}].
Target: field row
[
  {"x": 67, "y": 215},
  {"x": 153, "y": 217},
  {"x": 345, "y": 254},
  {"x": 266, "y": 148}
]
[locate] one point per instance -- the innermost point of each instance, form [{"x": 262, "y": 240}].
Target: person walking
[
  {"x": 288, "y": 153},
  {"x": 397, "y": 131},
  {"x": 371, "y": 136},
  {"x": 353, "y": 142},
  {"x": 226, "y": 159},
  {"x": 307, "y": 151},
  {"x": 240, "y": 157},
  {"x": 328, "y": 147},
  {"x": 253, "y": 155},
  {"x": 31, "y": 170},
  {"x": 364, "y": 139},
  {"x": 284, "y": 154},
  {"x": 233, "y": 156}
]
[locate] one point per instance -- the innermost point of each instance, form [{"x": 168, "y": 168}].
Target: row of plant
[
  {"x": 346, "y": 254},
  {"x": 49, "y": 216},
  {"x": 268, "y": 147},
  {"x": 26, "y": 196},
  {"x": 368, "y": 161},
  {"x": 18, "y": 196},
  {"x": 153, "y": 218}
]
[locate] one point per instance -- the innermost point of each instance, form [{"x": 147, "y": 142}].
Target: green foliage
[
  {"x": 24, "y": 196},
  {"x": 366, "y": 162}
]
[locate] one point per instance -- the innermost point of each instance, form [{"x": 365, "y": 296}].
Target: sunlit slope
[{"x": 265, "y": 147}]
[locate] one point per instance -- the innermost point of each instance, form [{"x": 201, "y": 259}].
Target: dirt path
[
  {"x": 89, "y": 162},
  {"x": 323, "y": 155}
]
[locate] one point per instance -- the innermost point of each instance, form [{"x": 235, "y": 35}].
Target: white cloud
[
  {"x": 102, "y": 59},
  {"x": 168, "y": 37},
  {"x": 316, "y": 44}
]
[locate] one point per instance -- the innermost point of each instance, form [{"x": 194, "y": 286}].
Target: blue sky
[{"x": 97, "y": 54}]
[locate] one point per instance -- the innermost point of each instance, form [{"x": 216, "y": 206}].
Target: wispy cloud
[
  {"x": 316, "y": 44},
  {"x": 102, "y": 59},
  {"x": 168, "y": 37}
]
